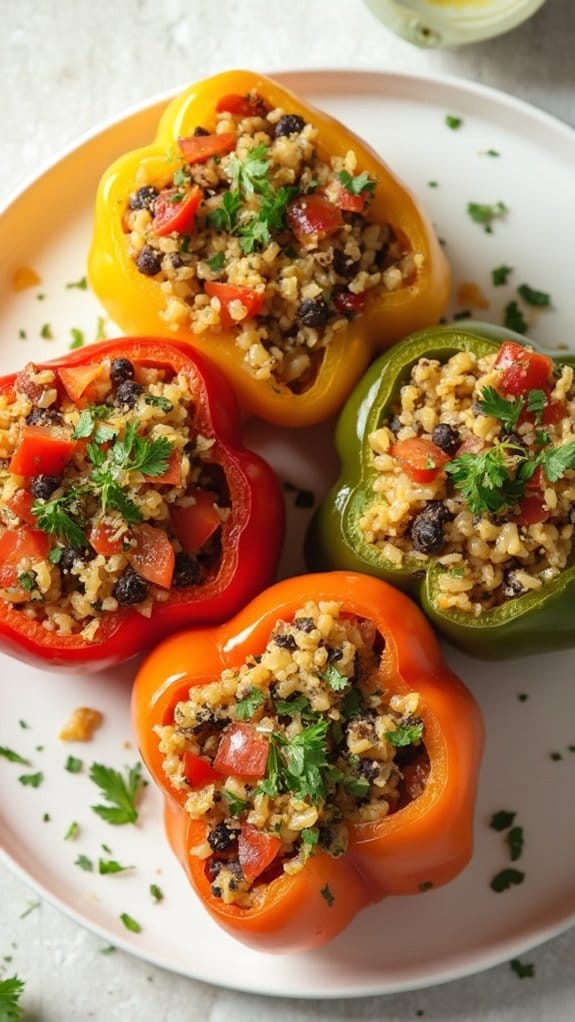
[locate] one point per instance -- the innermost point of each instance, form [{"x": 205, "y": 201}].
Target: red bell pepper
[
  {"x": 246, "y": 563},
  {"x": 425, "y": 842}
]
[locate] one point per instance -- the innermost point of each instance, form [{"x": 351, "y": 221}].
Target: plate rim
[{"x": 397, "y": 81}]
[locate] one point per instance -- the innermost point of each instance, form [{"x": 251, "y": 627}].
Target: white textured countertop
[{"x": 67, "y": 65}]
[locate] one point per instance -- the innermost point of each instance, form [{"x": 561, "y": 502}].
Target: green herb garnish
[
  {"x": 217, "y": 262},
  {"x": 73, "y": 765},
  {"x": 224, "y": 216},
  {"x": 246, "y": 707},
  {"x": 250, "y": 175},
  {"x": 120, "y": 792},
  {"x": 502, "y": 820},
  {"x": 78, "y": 339},
  {"x": 46, "y": 333},
  {"x": 514, "y": 319},
  {"x": 299, "y": 764},
  {"x": 156, "y": 892},
  {"x": 505, "y": 879},
  {"x": 453, "y": 122},
  {"x": 52, "y": 516},
  {"x": 84, "y": 863},
  {"x": 407, "y": 734},
  {"x": 72, "y": 832},
  {"x": 13, "y": 757},
  {"x": 487, "y": 481},
  {"x": 106, "y": 866},
  {"x": 27, "y": 581},
  {"x": 500, "y": 275},
  {"x": 540, "y": 299},
  {"x": 130, "y": 923},
  {"x": 358, "y": 184},
  {"x": 157, "y": 401},
  {"x": 485, "y": 213},
  {"x": 236, "y": 806},
  {"x": 334, "y": 680},
  {"x": 515, "y": 842},
  {"x": 523, "y": 970},
  {"x": 32, "y": 780},
  {"x": 11, "y": 990},
  {"x": 81, "y": 284}
]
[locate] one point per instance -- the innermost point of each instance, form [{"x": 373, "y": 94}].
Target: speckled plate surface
[{"x": 529, "y": 705}]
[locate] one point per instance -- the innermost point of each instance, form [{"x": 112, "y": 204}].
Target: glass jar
[{"x": 451, "y": 22}]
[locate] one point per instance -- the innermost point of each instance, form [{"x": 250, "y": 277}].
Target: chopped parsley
[
  {"x": 236, "y": 806},
  {"x": 310, "y": 837},
  {"x": 157, "y": 401},
  {"x": 24, "y": 725},
  {"x": 334, "y": 680},
  {"x": 485, "y": 213},
  {"x": 27, "y": 581},
  {"x": 46, "y": 332},
  {"x": 119, "y": 791},
  {"x": 299, "y": 764},
  {"x": 494, "y": 479},
  {"x": 72, "y": 832},
  {"x": 433, "y": 184},
  {"x": 530, "y": 296},
  {"x": 156, "y": 893},
  {"x": 358, "y": 184},
  {"x": 407, "y": 734},
  {"x": 514, "y": 319},
  {"x": 525, "y": 970},
  {"x": 558, "y": 460},
  {"x": 505, "y": 879},
  {"x": 46, "y": 818},
  {"x": 52, "y": 516},
  {"x": 130, "y": 923},
  {"x": 81, "y": 284},
  {"x": 32, "y": 906},
  {"x": 84, "y": 863},
  {"x": 492, "y": 403},
  {"x": 515, "y": 841},
  {"x": 73, "y": 765},
  {"x": 502, "y": 820},
  {"x": 555, "y": 756},
  {"x": 327, "y": 894},
  {"x": 453, "y": 122},
  {"x": 246, "y": 707},
  {"x": 492, "y": 152},
  {"x": 11, "y": 990},
  {"x": 32, "y": 780},
  {"x": 78, "y": 339},
  {"x": 106, "y": 866},
  {"x": 250, "y": 175},
  {"x": 501, "y": 274},
  {"x": 22, "y": 335},
  {"x": 224, "y": 217},
  {"x": 217, "y": 262}
]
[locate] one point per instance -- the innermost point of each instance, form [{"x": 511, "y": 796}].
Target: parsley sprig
[
  {"x": 11, "y": 990},
  {"x": 119, "y": 791},
  {"x": 357, "y": 184}
]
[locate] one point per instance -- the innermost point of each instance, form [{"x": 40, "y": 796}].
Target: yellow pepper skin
[{"x": 135, "y": 302}]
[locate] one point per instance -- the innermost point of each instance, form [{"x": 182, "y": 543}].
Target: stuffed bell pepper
[
  {"x": 458, "y": 483},
  {"x": 315, "y": 753},
  {"x": 269, "y": 237},
  {"x": 128, "y": 507}
]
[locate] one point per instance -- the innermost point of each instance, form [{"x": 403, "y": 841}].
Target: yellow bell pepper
[{"x": 137, "y": 303}]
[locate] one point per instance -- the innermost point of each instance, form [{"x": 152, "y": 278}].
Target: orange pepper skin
[
  {"x": 428, "y": 842},
  {"x": 136, "y": 302}
]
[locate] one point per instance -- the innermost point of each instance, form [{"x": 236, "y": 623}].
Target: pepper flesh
[
  {"x": 246, "y": 564},
  {"x": 536, "y": 622},
  {"x": 427, "y": 842},
  {"x": 136, "y": 302}
]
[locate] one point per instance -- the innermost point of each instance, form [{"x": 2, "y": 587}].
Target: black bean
[
  {"x": 128, "y": 393},
  {"x": 395, "y": 424},
  {"x": 198, "y": 131},
  {"x": 368, "y": 768},
  {"x": 186, "y": 571},
  {"x": 305, "y": 624},
  {"x": 222, "y": 837},
  {"x": 313, "y": 312},
  {"x": 144, "y": 198},
  {"x": 149, "y": 261},
  {"x": 44, "y": 417},
  {"x": 285, "y": 641},
  {"x": 130, "y": 588},
  {"x": 42, "y": 487},
  {"x": 121, "y": 369},
  {"x": 69, "y": 557},
  {"x": 214, "y": 867},
  {"x": 289, "y": 124},
  {"x": 176, "y": 261},
  {"x": 344, "y": 265},
  {"x": 512, "y": 586},
  {"x": 427, "y": 528},
  {"x": 333, "y": 655},
  {"x": 446, "y": 438}
]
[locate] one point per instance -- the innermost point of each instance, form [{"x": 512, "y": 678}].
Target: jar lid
[{"x": 451, "y": 22}]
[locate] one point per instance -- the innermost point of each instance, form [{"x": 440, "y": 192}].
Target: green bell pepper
[{"x": 536, "y": 622}]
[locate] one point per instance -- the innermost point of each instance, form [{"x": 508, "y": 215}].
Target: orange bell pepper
[
  {"x": 423, "y": 844},
  {"x": 136, "y": 302}
]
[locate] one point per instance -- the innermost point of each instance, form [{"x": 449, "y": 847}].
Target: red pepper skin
[
  {"x": 428, "y": 841},
  {"x": 247, "y": 564},
  {"x": 523, "y": 370}
]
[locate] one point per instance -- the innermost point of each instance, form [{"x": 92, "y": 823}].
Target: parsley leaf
[
  {"x": 406, "y": 734},
  {"x": 84, "y": 425},
  {"x": 485, "y": 213},
  {"x": 505, "y": 879},
  {"x": 533, "y": 297},
  {"x": 130, "y": 923},
  {"x": 514, "y": 319},
  {"x": 73, "y": 765},
  {"x": 250, "y": 175},
  {"x": 156, "y": 892},
  {"x": 299, "y": 764},
  {"x": 13, "y": 757},
  {"x": 485, "y": 480},
  {"x": 494, "y": 404},
  {"x": 224, "y": 216},
  {"x": 558, "y": 460},
  {"x": 500, "y": 275},
  {"x": 523, "y": 970},
  {"x": 236, "y": 806},
  {"x": 81, "y": 284},
  {"x": 78, "y": 339},
  {"x": 217, "y": 262},
  {"x": 453, "y": 122},
  {"x": 515, "y": 842},
  {"x": 246, "y": 707},
  {"x": 334, "y": 680},
  {"x": 157, "y": 401},
  {"x": 502, "y": 820},
  {"x": 120, "y": 792},
  {"x": 106, "y": 866},
  {"x": 358, "y": 184},
  {"x": 84, "y": 863},
  {"x": 72, "y": 832},
  {"x": 52, "y": 517},
  {"x": 356, "y": 786},
  {"x": 536, "y": 402},
  {"x": 11, "y": 990},
  {"x": 32, "y": 780}
]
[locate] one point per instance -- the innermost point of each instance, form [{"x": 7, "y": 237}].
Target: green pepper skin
[{"x": 537, "y": 622}]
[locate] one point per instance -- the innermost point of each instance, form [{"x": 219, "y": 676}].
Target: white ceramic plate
[{"x": 401, "y": 943}]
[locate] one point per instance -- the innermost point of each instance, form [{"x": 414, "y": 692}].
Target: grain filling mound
[
  {"x": 496, "y": 511},
  {"x": 135, "y": 466},
  {"x": 276, "y": 245},
  {"x": 328, "y": 746}
]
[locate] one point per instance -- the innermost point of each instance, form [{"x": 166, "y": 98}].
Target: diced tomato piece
[
  {"x": 471, "y": 445},
  {"x": 198, "y": 771},
  {"x": 42, "y": 450},
  {"x": 77, "y": 380},
  {"x": 154, "y": 557},
  {"x": 199, "y": 148},
  {"x": 553, "y": 412},
  {"x": 196, "y": 524},
  {"x": 105, "y": 540},
  {"x": 345, "y": 301},
  {"x": 313, "y": 214},
  {"x": 15, "y": 545},
  {"x": 250, "y": 105},
  {"x": 420, "y": 459},
  {"x": 523, "y": 370},
  {"x": 537, "y": 481},
  {"x": 251, "y": 299},
  {"x": 256, "y": 850},
  {"x": 173, "y": 213},
  {"x": 345, "y": 199},
  {"x": 173, "y": 474},
  {"x": 242, "y": 752},
  {"x": 532, "y": 510},
  {"x": 21, "y": 504}
]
